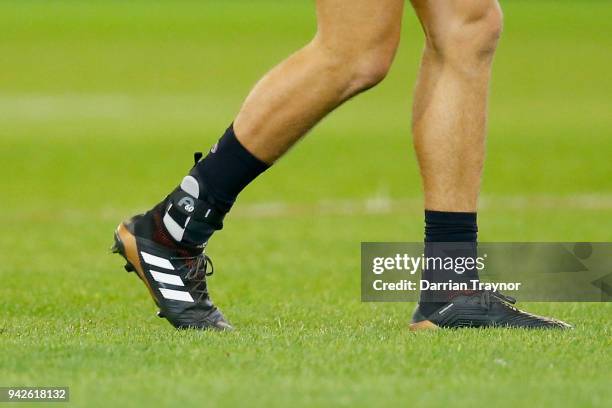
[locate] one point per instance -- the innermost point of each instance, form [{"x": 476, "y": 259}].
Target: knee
[
  {"x": 369, "y": 67},
  {"x": 467, "y": 34},
  {"x": 360, "y": 64}
]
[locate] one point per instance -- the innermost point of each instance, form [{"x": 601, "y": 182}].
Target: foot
[
  {"x": 174, "y": 275},
  {"x": 482, "y": 309}
]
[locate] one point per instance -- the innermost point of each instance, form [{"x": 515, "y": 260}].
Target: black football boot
[
  {"x": 483, "y": 309},
  {"x": 165, "y": 248}
]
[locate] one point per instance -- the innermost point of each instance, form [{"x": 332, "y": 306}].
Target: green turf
[{"x": 101, "y": 105}]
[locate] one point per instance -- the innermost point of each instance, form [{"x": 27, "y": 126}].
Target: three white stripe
[
  {"x": 176, "y": 295},
  {"x": 168, "y": 278},
  {"x": 156, "y": 261}
]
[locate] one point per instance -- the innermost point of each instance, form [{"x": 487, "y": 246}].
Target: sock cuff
[
  {"x": 450, "y": 217},
  {"x": 230, "y": 144},
  {"x": 446, "y": 226},
  {"x": 226, "y": 170}
]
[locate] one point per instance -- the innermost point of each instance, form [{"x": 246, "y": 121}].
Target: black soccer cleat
[
  {"x": 483, "y": 309},
  {"x": 174, "y": 276}
]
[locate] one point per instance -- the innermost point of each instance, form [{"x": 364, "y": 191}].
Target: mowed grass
[{"x": 101, "y": 106}]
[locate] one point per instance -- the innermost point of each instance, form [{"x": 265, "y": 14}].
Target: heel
[
  {"x": 422, "y": 325},
  {"x": 117, "y": 247}
]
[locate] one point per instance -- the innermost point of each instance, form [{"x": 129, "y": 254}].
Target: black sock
[
  {"x": 196, "y": 209},
  {"x": 447, "y": 235},
  {"x": 227, "y": 170}
]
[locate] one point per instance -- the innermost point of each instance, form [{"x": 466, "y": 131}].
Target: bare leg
[
  {"x": 450, "y": 105},
  {"x": 352, "y": 51}
]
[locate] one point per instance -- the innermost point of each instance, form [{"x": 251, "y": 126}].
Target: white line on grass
[
  {"x": 347, "y": 207},
  {"x": 386, "y": 205}
]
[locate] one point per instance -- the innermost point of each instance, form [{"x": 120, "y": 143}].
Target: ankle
[{"x": 227, "y": 169}]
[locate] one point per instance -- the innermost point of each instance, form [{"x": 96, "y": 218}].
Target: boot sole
[{"x": 423, "y": 325}]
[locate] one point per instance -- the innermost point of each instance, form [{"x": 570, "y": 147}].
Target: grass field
[{"x": 101, "y": 106}]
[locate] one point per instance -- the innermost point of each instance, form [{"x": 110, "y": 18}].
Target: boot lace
[{"x": 197, "y": 268}]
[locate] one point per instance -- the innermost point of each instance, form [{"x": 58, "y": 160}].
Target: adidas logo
[{"x": 167, "y": 278}]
